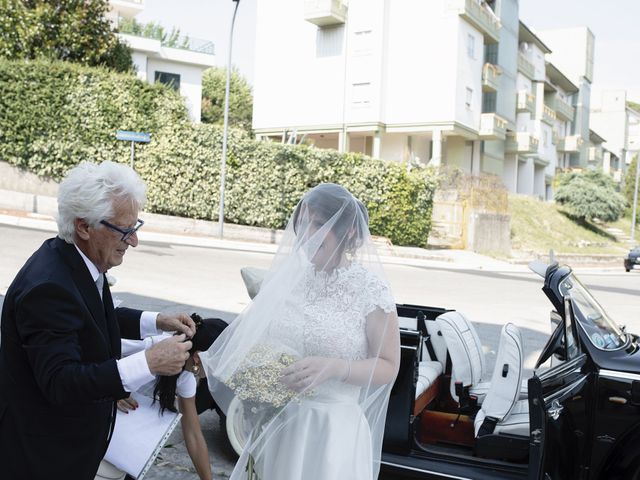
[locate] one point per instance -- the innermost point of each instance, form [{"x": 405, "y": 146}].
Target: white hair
[{"x": 89, "y": 190}]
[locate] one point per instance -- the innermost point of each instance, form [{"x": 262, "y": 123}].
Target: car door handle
[{"x": 555, "y": 410}]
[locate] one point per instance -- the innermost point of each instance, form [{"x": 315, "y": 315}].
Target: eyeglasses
[{"x": 126, "y": 232}]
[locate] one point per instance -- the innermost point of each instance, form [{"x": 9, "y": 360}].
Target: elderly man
[{"x": 60, "y": 366}]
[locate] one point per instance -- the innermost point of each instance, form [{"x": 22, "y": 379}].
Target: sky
[{"x": 613, "y": 22}]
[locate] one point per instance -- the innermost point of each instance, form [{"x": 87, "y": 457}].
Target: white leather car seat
[
  {"x": 465, "y": 350},
  {"x": 428, "y": 369},
  {"x": 501, "y": 406}
]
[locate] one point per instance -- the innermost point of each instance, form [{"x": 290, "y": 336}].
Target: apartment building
[
  {"x": 181, "y": 68},
  {"x": 440, "y": 82},
  {"x": 619, "y": 124}
]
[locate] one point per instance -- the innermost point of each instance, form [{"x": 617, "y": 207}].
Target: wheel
[
  {"x": 627, "y": 269},
  {"x": 235, "y": 426}
]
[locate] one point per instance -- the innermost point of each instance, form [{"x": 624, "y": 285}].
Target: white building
[
  {"x": 441, "y": 82},
  {"x": 620, "y": 125},
  {"x": 181, "y": 68}
]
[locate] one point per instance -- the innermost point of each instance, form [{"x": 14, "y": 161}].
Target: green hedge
[{"x": 54, "y": 114}]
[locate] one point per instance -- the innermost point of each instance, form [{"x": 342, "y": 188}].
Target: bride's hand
[{"x": 310, "y": 372}]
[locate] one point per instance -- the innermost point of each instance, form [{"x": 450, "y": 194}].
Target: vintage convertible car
[{"x": 577, "y": 419}]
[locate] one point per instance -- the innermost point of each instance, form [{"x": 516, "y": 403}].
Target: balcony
[
  {"x": 526, "y": 67},
  {"x": 548, "y": 115},
  {"x": 564, "y": 111},
  {"x": 492, "y": 127},
  {"x": 126, "y": 8},
  {"x": 570, "y": 144},
  {"x": 325, "y": 13},
  {"x": 479, "y": 17},
  {"x": 521, "y": 142},
  {"x": 525, "y": 102},
  {"x": 596, "y": 155},
  {"x": 490, "y": 74}
]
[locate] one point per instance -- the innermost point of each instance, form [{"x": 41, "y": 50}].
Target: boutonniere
[{"x": 111, "y": 280}]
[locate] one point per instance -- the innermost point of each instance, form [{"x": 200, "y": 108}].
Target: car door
[{"x": 558, "y": 411}]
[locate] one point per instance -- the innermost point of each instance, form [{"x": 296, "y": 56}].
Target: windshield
[{"x": 601, "y": 330}]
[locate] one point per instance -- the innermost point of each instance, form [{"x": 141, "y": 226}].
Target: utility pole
[
  {"x": 635, "y": 201},
  {"x": 223, "y": 161}
]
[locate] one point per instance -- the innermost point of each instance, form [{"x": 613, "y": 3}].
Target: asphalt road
[{"x": 172, "y": 277}]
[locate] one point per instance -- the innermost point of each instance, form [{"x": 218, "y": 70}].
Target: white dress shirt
[{"x": 134, "y": 370}]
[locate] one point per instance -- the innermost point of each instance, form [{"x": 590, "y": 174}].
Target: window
[
  {"x": 329, "y": 41},
  {"x": 469, "y": 98},
  {"x": 361, "y": 94},
  {"x": 489, "y": 100},
  {"x": 491, "y": 53},
  {"x": 170, "y": 79},
  {"x": 471, "y": 46},
  {"x": 362, "y": 43}
]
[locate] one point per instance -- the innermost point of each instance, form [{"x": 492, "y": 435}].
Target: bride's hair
[
  {"x": 334, "y": 204},
  {"x": 207, "y": 330}
]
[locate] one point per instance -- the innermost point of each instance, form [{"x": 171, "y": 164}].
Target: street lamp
[
  {"x": 635, "y": 201},
  {"x": 223, "y": 161}
]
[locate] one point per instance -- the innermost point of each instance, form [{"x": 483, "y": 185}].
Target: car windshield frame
[{"x": 603, "y": 333}]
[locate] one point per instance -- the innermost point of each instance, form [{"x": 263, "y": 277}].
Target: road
[{"x": 173, "y": 277}]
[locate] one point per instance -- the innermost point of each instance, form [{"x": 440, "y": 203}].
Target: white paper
[{"x": 139, "y": 436}]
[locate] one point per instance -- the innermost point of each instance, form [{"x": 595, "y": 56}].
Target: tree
[
  {"x": 630, "y": 185},
  {"x": 590, "y": 195},
  {"x": 71, "y": 30},
  {"x": 240, "y": 98}
]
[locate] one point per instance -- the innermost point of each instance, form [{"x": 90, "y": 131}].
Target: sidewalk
[{"x": 187, "y": 231}]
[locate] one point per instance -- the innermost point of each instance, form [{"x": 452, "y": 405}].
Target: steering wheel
[{"x": 552, "y": 345}]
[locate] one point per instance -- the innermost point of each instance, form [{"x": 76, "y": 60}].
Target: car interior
[{"x": 455, "y": 406}]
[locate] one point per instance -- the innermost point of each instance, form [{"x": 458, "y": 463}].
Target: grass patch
[{"x": 538, "y": 227}]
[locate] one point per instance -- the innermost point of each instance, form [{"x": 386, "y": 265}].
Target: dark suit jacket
[{"x": 58, "y": 373}]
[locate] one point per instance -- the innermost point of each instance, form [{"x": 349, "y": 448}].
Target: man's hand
[
  {"x": 180, "y": 322},
  {"x": 168, "y": 356},
  {"x": 126, "y": 404}
]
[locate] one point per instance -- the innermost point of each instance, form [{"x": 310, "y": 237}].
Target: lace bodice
[{"x": 326, "y": 314}]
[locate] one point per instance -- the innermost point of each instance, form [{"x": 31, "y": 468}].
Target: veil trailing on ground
[{"x": 314, "y": 356}]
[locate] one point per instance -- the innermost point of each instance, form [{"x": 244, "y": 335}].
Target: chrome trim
[
  {"x": 413, "y": 469},
  {"x": 561, "y": 393},
  {"x": 572, "y": 366},
  {"x": 621, "y": 375}
]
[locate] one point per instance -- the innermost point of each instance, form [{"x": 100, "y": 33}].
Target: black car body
[
  {"x": 632, "y": 259},
  {"x": 584, "y": 410}
]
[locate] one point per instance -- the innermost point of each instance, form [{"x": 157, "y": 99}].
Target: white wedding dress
[{"x": 326, "y": 435}]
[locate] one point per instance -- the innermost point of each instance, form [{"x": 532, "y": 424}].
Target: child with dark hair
[{"x": 184, "y": 387}]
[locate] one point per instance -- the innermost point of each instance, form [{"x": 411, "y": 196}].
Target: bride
[{"x": 313, "y": 358}]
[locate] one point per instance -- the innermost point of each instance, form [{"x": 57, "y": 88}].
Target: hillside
[{"x": 538, "y": 227}]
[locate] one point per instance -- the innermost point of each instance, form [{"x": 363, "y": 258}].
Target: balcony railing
[
  {"x": 564, "y": 110},
  {"x": 492, "y": 126},
  {"x": 521, "y": 142},
  {"x": 548, "y": 115},
  {"x": 525, "y": 66},
  {"x": 570, "y": 144},
  {"x": 490, "y": 74},
  {"x": 324, "y": 13},
  {"x": 596, "y": 155},
  {"x": 478, "y": 16},
  {"x": 526, "y": 102}
]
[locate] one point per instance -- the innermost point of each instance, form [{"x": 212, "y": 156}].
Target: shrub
[
  {"x": 214, "y": 81},
  {"x": 590, "y": 195},
  {"x": 55, "y": 114}
]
